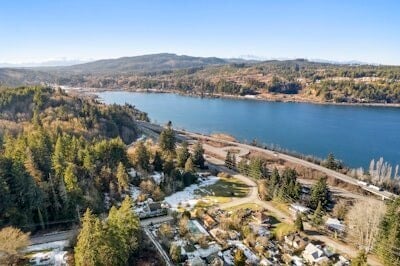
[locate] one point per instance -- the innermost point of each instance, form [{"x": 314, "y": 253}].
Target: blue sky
[{"x": 364, "y": 30}]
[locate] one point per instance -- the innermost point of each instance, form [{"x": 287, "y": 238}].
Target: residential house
[
  {"x": 335, "y": 225},
  {"x": 314, "y": 254}
]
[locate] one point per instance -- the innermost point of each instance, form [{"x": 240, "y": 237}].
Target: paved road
[
  {"x": 68, "y": 234},
  {"x": 161, "y": 251},
  {"x": 253, "y": 197},
  {"x": 342, "y": 177},
  {"x": 52, "y": 237}
]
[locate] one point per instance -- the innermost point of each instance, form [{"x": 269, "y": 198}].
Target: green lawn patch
[{"x": 225, "y": 187}]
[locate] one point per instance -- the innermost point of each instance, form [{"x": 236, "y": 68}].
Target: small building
[
  {"x": 298, "y": 208},
  {"x": 314, "y": 254},
  {"x": 335, "y": 225}
]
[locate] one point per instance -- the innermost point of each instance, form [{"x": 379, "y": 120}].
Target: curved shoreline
[{"x": 238, "y": 97}]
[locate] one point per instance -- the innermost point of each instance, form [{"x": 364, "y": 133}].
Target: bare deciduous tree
[
  {"x": 12, "y": 240},
  {"x": 363, "y": 221}
]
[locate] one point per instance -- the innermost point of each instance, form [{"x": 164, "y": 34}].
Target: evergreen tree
[
  {"x": 157, "y": 162},
  {"x": 182, "y": 154},
  {"x": 32, "y": 168},
  {"x": 167, "y": 141},
  {"x": 198, "y": 155},
  {"x": 122, "y": 177},
  {"x": 71, "y": 179},
  {"x": 234, "y": 161},
  {"x": 243, "y": 167},
  {"x": 388, "y": 241},
  {"x": 89, "y": 241},
  {"x": 228, "y": 159},
  {"x": 320, "y": 194},
  {"x": 316, "y": 218},
  {"x": 298, "y": 223},
  {"x": 332, "y": 163},
  {"x": 256, "y": 168},
  {"x": 140, "y": 156},
  {"x": 168, "y": 166}
]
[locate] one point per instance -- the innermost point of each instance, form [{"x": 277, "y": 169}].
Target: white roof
[
  {"x": 299, "y": 208},
  {"x": 313, "y": 252},
  {"x": 335, "y": 224}
]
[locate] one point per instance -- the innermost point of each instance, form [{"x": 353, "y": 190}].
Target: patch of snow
[
  {"x": 54, "y": 257},
  {"x": 157, "y": 177},
  {"x": 132, "y": 172},
  {"x": 135, "y": 192},
  {"x": 187, "y": 197},
  {"x": 46, "y": 246}
]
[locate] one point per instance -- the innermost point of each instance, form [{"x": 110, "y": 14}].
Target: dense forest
[{"x": 59, "y": 155}]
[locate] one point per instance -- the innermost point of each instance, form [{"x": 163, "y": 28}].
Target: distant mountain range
[{"x": 49, "y": 63}]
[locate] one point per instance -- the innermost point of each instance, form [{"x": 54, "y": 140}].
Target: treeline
[
  {"x": 66, "y": 156},
  {"x": 351, "y": 91}
]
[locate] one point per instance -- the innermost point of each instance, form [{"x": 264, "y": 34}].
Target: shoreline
[{"x": 239, "y": 97}]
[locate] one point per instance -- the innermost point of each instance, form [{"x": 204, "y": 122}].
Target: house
[
  {"x": 208, "y": 221},
  {"x": 295, "y": 241},
  {"x": 335, "y": 225},
  {"x": 314, "y": 254}
]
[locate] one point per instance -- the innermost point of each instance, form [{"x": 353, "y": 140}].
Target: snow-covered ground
[
  {"x": 51, "y": 253},
  {"x": 157, "y": 177},
  {"x": 187, "y": 197},
  {"x": 46, "y": 246}
]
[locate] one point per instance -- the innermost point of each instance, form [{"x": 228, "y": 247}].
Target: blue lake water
[{"x": 355, "y": 134}]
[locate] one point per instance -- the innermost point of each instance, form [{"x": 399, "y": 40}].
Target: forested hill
[
  {"x": 59, "y": 154},
  {"x": 145, "y": 63},
  {"x": 289, "y": 80}
]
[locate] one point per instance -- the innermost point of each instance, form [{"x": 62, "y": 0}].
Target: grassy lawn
[
  {"x": 225, "y": 187},
  {"x": 283, "y": 207},
  {"x": 282, "y": 229}
]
